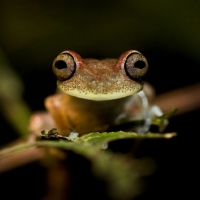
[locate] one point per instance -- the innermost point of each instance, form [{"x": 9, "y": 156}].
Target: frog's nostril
[
  {"x": 60, "y": 64},
  {"x": 140, "y": 64}
]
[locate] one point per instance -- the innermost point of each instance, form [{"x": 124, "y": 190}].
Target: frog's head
[{"x": 100, "y": 79}]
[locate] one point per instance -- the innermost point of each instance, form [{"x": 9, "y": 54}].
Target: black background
[{"x": 33, "y": 33}]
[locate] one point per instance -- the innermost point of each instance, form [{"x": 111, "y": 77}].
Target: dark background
[{"x": 33, "y": 33}]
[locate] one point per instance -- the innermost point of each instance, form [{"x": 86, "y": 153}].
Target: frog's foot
[
  {"x": 40, "y": 121},
  {"x": 155, "y": 111},
  {"x": 73, "y": 135},
  {"x": 149, "y": 114},
  {"x": 104, "y": 146}
]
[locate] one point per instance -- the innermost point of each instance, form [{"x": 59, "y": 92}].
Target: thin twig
[{"x": 186, "y": 99}]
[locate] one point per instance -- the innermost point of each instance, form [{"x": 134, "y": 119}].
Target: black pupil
[
  {"x": 60, "y": 64},
  {"x": 140, "y": 64}
]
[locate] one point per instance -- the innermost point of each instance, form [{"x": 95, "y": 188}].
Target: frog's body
[
  {"x": 84, "y": 116},
  {"x": 96, "y": 94}
]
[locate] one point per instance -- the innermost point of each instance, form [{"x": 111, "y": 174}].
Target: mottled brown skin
[
  {"x": 96, "y": 94},
  {"x": 104, "y": 79}
]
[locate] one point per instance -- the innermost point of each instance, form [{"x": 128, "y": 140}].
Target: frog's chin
[{"x": 100, "y": 97}]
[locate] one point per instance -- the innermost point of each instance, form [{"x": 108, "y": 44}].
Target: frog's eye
[
  {"x": 64, "y": 66},
  {"x": 136, "y": 66}
]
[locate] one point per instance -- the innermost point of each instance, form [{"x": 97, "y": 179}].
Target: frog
[{"x": 96, "y": 95}]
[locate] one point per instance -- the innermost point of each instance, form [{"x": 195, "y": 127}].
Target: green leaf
[
  {"x": 121, "y": 173},
  {"x": 160, "y": 120},
  {"x": 101, "y": 138}
]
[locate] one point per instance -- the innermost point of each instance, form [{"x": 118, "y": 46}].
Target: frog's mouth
[{"x": 100, "y": 94}]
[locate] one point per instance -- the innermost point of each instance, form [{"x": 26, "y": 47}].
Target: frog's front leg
[
  {"x": 149, "y": 112},
  {"x": 57, "y": 116},
  {"x": 146, "y": 114},
  {"x": 139, "y": 108}
]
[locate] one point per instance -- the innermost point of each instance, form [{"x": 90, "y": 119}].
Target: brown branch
[
  {"x": 186, "y": 99},
  {"x": 21, "y": 158}
]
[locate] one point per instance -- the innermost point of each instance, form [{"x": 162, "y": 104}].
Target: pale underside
[{"x": 101, "y": 96}]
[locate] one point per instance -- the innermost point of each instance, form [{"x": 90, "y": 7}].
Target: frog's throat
[{"x": 100, "y": 96}]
